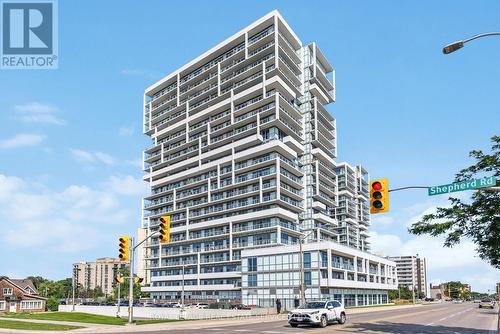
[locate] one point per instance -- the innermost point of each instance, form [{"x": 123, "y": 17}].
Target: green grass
[
  {"x": 69, "y": 316},
  {"x": 12, "y": 324}
]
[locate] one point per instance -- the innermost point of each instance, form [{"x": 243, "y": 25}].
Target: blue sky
[{"x": 71, "y": 139}]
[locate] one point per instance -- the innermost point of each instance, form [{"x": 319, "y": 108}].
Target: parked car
[
  {"x": 319, "y": 313},
  {"x": 224, "y": 306},
  {"x": 429, "y": 299},
  {"x": 477, "y": 301},
  {"x": 487, "y": 303},
  {"x": 458, "y": 301},
  {"x": 240, "y": 307},
  {"x": 198, "y": 305}
]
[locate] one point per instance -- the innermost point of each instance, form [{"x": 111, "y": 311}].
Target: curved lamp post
[{"x": 452, "y": 47}]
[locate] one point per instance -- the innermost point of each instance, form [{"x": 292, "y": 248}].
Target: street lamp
[
  {"x": 301, "y": 250},
  {"x": 452, "y": 47}
]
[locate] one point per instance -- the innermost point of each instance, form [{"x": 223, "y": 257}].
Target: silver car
[{"x": 487, "y": 303}]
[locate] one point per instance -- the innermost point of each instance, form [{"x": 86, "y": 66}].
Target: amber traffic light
[
  {"x": 124, "y": 248},
  {"x": 164, "y": 229},
  {"x": 379, "y": 195}
]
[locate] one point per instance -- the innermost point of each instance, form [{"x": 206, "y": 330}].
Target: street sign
[{"x": 461, "y": 186}]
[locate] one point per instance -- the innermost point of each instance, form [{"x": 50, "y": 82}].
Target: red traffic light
[{"x": 376, "y": 185}]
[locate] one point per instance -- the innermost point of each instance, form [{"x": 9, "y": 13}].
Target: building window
[
  {"x": 324, "y": 259},
  {"x": 307, "y": 260},
  {"x": 31, "y": 305},
  {"x": 2, "y": 305},
  {"x": 252, "y": 280},
  {"x": 252, "y": 264},
  {"x": 307, "y": 278},
  {"x": 7, "y": 291}
]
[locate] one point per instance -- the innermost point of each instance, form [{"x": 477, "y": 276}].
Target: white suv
[{"x": 319, "y": 313}]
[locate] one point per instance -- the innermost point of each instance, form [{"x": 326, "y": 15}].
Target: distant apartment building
[
  {"x": 98, "y": 274},
  {"x": 242, "y": 159},
  {"x": 412, "y": 272}
]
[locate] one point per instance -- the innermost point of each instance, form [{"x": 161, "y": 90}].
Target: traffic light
[
  {"x": 138, "y": 279},
  {"x": 124, "y": 251},
  {"x": 164, "y": 229},
  {"x": 379, "y": 195},
  {"x": 119, "y": 279}
]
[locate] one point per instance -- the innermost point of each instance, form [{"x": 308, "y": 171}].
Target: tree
[
  {"x": 67, "y": 285},
  {"x": 403, "y": 291},
  {"x": 478, "y": 220},
  {"x": 51, "y": 289},
  {"x": 52, "y": 303},
  {"x": 37, "y": 280}
]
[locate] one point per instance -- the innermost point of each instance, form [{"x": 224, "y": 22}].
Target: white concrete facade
[
  {"x": 331, "y": 271},
  {"x": 242, "y": 157}
]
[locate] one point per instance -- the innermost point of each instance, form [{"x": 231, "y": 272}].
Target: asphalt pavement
[{"x": 447, "y": 318}]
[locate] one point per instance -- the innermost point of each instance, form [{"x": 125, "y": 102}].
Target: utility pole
[
  {"x": 183, "y": 310},
  {"x": 182, "y": 293},
  {"x": 301, "y": 251},
  {"x": 302, "y": 292},
  {"x": 74, "y": 283},
  {"x": 119, "y": 301},
  {"x": 131, "y": 284},
  {"x": 73, "y": 290}
]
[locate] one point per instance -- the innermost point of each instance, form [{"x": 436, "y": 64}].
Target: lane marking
[{"x": 242, "y": 330}]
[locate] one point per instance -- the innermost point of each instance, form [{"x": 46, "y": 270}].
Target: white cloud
[
  {"x": 127, "y": 185},
  {"x": 87, "y": 157},
  {"x": 456, "y": 263},
  {"x": 35, "y": 112},
  {"x": 126, "y": 131},
  {"x": 382, "y": 220},
  {"x": 136, "y": 163},
  {"x": 21, "y": 140},
  {"x": 69, "y": 220},
  {"x": 104, "y": 158}
]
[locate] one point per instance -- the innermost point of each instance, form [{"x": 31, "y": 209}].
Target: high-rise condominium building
[
  {"x": 242, "y": 157},
  {"x": 353, "y": 212},
  {"x": 98, "y": 274},
  {"x": 412, "y": 271}
]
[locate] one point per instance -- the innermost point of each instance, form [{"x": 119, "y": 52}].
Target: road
[{"x": 447, "y": 318}]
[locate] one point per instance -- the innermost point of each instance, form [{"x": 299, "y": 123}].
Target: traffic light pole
[
  {"x": 131, "y": 284},
  {"x": 131, "y": 276},
  {"x": 119, "y": 301}
]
